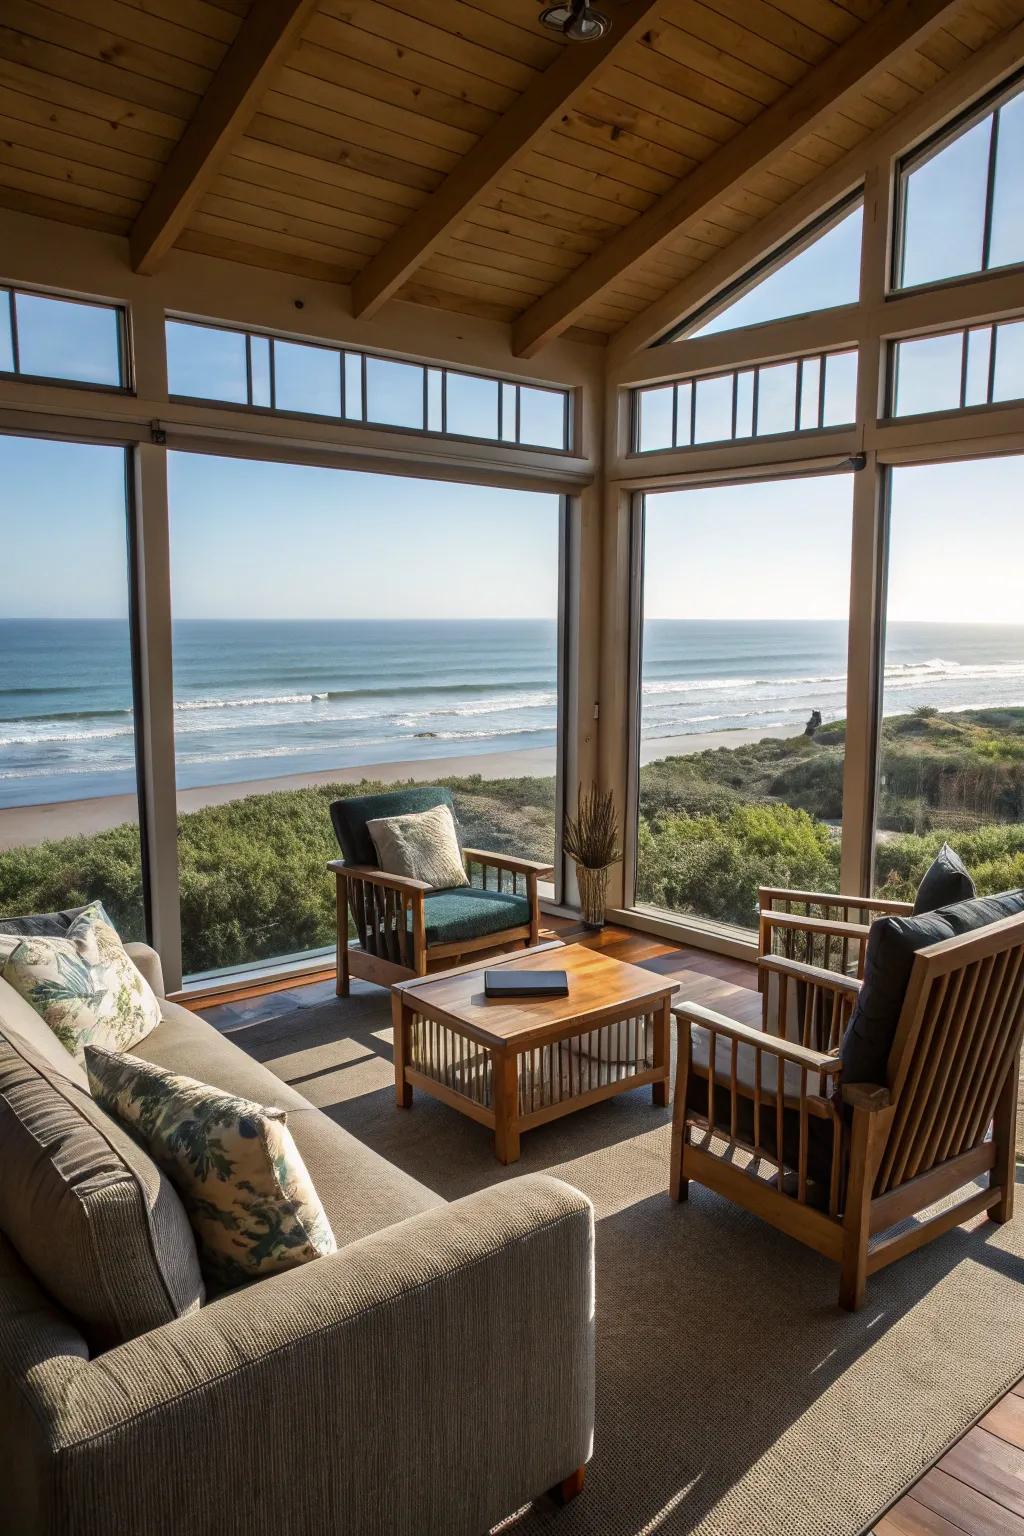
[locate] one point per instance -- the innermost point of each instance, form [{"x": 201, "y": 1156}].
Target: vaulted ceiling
[{"x": 454, "y": 153}]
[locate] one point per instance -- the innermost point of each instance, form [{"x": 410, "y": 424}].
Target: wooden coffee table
[{"x": 516, "y": 1064}]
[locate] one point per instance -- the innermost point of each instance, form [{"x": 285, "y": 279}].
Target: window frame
[
  {"x": 756, "y": 369},
  {"x": 963, "y": 330},
  {"x": 986, "y": 106},
  {"x": 773, "y": 262},
  {"x": 569, "y": 395},
  {"x": 10, "y": 292}
]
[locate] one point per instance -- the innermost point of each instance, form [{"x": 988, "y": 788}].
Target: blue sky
[
  {"x": 279, "y": 541},
  {"x": 255, "y": 540}
]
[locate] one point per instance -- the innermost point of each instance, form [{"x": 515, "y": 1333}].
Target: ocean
[{"x": 257, "y": 699}]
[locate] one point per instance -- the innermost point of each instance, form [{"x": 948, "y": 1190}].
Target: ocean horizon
[{"x": 259, "y": 699}]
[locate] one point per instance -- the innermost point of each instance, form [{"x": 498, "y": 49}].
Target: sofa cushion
[
  {"x": 470, "y": 913},
  {"x": 84, "y": 985},
  {"x": 946, "y": 881},
  {"x": 422, "y": 845},
  {"x": 892, "y": 945},
  {"x": 25, "y": 1028},
  {"x": 361, "y": 1191},
  {"x": 251, "y": 1202},
  {"x": 351, "y": 816},
  {"x": 41, "y": 925},
  {"x": 88, "y": 1211}
]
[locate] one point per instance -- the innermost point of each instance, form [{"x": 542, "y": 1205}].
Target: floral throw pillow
[
  {"x": 84, "y": 985},
  {"x": 241, "y": 1178}
]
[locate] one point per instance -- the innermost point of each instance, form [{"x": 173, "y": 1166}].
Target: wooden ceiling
[{"x": 453, "y": 152}]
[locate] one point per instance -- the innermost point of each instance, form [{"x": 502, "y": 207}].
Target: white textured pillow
[
  {"x": 84, "y": 986},
  {"x": 422, "y": 846}
]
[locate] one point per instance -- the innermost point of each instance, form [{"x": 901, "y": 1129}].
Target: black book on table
[{"x": 526, "y": 984}]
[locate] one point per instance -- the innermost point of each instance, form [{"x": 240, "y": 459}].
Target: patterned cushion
[
  {"x": 252, "y": 1205},
  {"x": 421, "y": 846},
  {"x": 87, "y": 1209},
  {"x": 350, "y": 816},
  {"x": 471, "y": 913},
  {"x": 84, "y": 985}
]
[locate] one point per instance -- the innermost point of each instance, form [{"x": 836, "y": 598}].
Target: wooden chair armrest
[
  {"x": 837, "y": 928},
  {"x": 835, "y": 981},
  {"x": 508, "y": 862},
  {"x": 373, "y": 876},
  {"x": 770, "y": 893},
  {"x": 788, "y": 1050},
  {"x": 871, "y": 1096}
]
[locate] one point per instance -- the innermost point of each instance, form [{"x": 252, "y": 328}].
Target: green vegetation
[
  {"x": 713, "y": 827},
  {"x": 716, "y": 825},
  {"x": 253, "y": 875}
]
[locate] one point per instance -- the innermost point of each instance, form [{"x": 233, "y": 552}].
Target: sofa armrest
[
  {"x": 433, "y": 1376},
  {"x": 146, "y": 960}
]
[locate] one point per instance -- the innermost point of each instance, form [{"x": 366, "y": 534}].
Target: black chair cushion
[
  {"x": 946, "y": 881},
  {"x": 350, "y": 816},
  {"x": 892, "y": 945}
]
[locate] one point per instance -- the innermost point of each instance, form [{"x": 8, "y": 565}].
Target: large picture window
[
  {"x": 742, "y": 693},
  {"x": 374, "y": 630},
  {"x": 69, "y": 809},
  {"x": 952, "y": 742}
]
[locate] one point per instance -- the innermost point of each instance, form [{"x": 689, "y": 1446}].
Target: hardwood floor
[{"x": 977, "y": 1488}]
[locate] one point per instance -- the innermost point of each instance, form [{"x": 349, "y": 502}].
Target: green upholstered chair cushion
[
  {"x": 350, "y": 816},
  {"x": 468, "y": 913}
]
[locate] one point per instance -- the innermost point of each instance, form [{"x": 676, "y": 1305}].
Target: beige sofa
[{"x": 432, "y": 1376}]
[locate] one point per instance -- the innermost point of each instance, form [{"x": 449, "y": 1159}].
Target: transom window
[
  {"x": 206, "y": 362},
  {"x": 979, "y": 365},
  {"x": 801, "y": 394},
  {"x": 962, "y": 198},
  {"x": 45, "y": 337}
]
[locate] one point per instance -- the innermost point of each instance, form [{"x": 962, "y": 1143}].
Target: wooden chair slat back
[{"x": 959, "y": 1036}]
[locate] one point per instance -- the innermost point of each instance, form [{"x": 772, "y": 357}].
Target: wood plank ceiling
[{"x": 361, "y": 117}]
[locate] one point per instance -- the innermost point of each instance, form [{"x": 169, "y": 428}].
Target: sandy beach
[{"x": 23, "y": 825}]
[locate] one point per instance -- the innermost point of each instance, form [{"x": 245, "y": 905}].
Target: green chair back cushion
[
  {"x": 350, "y": 816},
  {"x": 892, "y": 945},
  {"x": 468, "y": 913}
]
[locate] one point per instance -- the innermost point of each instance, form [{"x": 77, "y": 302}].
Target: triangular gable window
[{"x": 821, "y": 275}]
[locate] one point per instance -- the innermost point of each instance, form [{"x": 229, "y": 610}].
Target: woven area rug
[{"x": 734, "y": 1398}]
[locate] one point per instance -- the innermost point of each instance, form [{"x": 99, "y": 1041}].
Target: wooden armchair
[
  {"x": 821, "y": 929},
  {"x": 404, "y": 927},
  {"x": 838, "y": 1164}
]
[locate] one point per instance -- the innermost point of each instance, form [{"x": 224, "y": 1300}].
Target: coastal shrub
[
  {"x": 713, "y": 866},
  {"x": 252, "y": 873},
  {"x": 104, "y": 866},
  {"x": 994, "y": 855}
]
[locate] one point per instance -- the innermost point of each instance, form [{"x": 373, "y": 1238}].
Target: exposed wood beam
[
  {"x": 979, "y": 73},
  {"x": 898, "y": 27},
  {"x": 537, "y": 109},
  {"x": 263, "y": 41}
]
